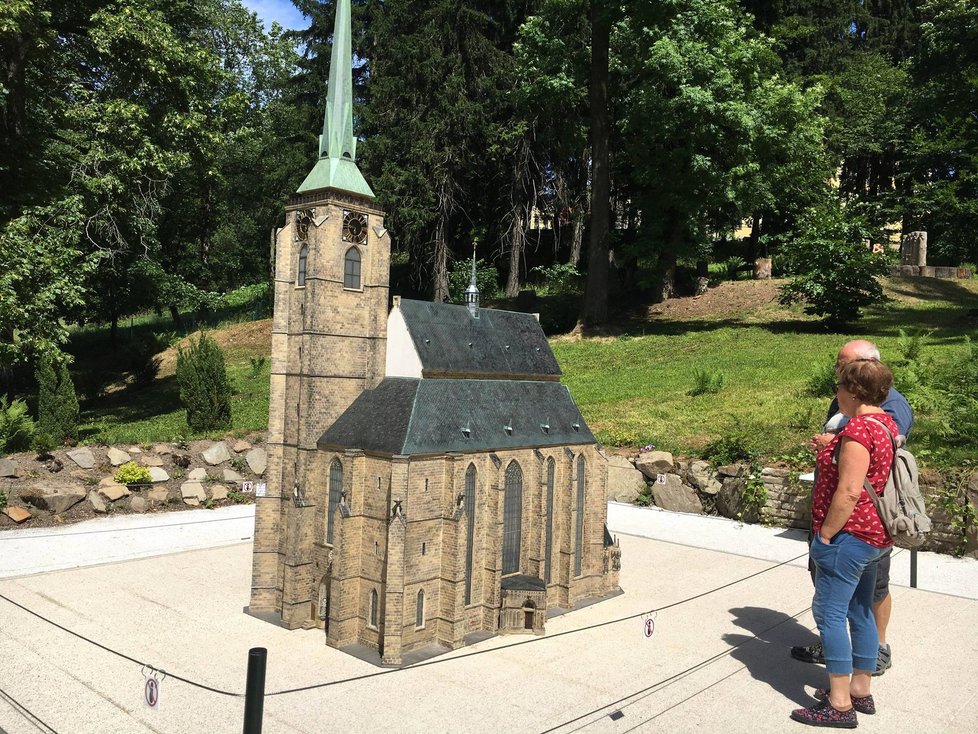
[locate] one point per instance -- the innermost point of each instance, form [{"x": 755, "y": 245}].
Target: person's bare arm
[{"x": 853, "y": 465}]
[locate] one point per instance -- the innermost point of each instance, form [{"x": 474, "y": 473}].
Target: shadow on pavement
[{"x": 765, "y": 652}]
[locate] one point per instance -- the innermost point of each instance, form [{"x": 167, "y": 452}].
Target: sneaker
[
  {"x": 809, "y": 654},
  {"x": 884, "y": 660},
  {"x": 824, "y": 714},
  {"x": 862, "y": 704}
]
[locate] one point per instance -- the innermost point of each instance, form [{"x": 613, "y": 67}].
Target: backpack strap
[{"x": 893, "y": 442}]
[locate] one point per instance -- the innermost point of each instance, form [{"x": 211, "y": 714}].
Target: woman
[{"x": 849, "y": 538}]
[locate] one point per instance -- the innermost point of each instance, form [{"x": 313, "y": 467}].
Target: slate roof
[
  {"x": 410, "y": 416},
  {"x": 449, "y": 340}
]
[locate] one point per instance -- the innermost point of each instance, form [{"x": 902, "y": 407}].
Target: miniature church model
[{"x": 430, "y": 480}]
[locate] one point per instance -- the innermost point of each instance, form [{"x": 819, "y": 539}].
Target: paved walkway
[{"x": 717, "y": 661}]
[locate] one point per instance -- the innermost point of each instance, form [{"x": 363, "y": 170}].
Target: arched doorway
[
  {"x": 529, "y": 608},
  {"x": 324, "y": 595}
]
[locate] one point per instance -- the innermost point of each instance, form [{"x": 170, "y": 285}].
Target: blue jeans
[{"x": 844, "y": 580}]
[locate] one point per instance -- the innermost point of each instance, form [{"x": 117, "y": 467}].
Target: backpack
[{"x": 901, "y": 508}]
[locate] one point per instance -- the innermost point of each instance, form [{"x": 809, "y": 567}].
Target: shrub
[
  {"x": 257, "y": 365},
  {"x": 486, "y": 278},
  {"x": 204, "y": 388},
  {"x": 3, "y": 500},
  {"x": 16, "y": 427},
  {"x": 706, "y": 382},
  {"x": 833, "y": 271},
  {"x": 821, "y": 383},
  {"x": 57, "y": 404},
  {"x": 560, "y": 278},
  {"x": 132, "y": 473},
  {"x": 738, "y": 443},
  {"x": 43, "y": 443},
  {"x": 143, "y": 360}
]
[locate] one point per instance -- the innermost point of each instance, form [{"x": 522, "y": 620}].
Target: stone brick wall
[{"x": 697, "y": 487}]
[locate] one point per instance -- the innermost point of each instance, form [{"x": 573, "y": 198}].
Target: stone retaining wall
[{"x": 695, "y": 486}]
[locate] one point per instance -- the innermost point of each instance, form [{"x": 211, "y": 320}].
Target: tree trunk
[
  {"x": 440, "y": 277},
  {"x": 576, "y": 237},
  {"x": 596, "y": 291},
  {"x": 668, "y": 262},
  {"x": 177, "y": 320},
  {"x": 515, "y": 254},
  {"x": 702, "y": 277}
]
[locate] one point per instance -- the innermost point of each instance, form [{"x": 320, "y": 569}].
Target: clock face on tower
[{"x": 354, "y": 227}]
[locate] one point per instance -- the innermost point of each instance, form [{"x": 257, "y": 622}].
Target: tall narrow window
[
  {"x": 512, "y": 518},
  {"x": 419, "y": 613},
  {"x": 579, "y": 544},
  {"x": 351, "y": 269},
  {"x": 373, "y": 608},
  {"x": 300, "y": 274},
  {"x": 470, "y": 529},
  {"x": 335, "y": 493},
  {"x": 551, "y": 472}
]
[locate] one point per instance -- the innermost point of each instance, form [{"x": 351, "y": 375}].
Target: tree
[
  {"x": 833, "y": 270},
  {"x": 57, "y": 404},
  {"x": 204, "y": 388}
]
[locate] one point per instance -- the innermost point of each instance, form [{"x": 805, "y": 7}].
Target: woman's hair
[{"x": 869, "y": 380}]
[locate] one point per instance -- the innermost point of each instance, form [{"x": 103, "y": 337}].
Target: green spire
[{"x": 336, "y": 167}]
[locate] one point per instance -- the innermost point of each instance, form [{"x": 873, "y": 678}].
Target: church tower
[{"x": 329, "y": 334}]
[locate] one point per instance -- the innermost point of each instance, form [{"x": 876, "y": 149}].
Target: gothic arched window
[
  {"x": 351, "y": 269},
  {"x": 335, "y": 493},
  {"x": 300, "y": 275},
  {"x": 512, "y": 518},
  {"x": 579, "y": 535},
  {"x": 419, "y": 613},
  {"x": 470, "y": 528},
  {"x": 551, "y": 473},
  {"x": 373, "y": 608}
]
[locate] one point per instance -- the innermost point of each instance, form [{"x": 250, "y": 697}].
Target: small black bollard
[
  {"x": 913, "y": 568},
  {"x": 255, "y": 690}
]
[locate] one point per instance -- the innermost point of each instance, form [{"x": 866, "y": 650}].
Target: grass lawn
[{"x": 633, "y": 387}]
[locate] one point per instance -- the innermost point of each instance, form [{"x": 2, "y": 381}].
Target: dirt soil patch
[
  {"x": 251, "y": 338},
  {"x": 725, "y": 298}
]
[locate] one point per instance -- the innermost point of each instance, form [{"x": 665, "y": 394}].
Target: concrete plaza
[{"x": 718, "y": 662}]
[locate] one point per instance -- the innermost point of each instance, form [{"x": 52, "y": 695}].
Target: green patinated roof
[
  {"x": 336, "y": 167},
  {"x": 410, "y": 416}
]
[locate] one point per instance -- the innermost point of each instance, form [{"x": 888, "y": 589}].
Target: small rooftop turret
[{"x": 472, "y": 292}]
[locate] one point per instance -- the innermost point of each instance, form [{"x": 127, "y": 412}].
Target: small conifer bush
[
  {"x": 204, "y": 387},
  {"x": 132, "y": 473},
  {"x": 57, "y": 403}
]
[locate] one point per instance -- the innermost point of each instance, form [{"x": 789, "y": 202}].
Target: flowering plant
[{"x": 647, "y": 447}]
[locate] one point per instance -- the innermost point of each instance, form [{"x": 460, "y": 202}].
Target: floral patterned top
[{"x": 864, "y": 523}]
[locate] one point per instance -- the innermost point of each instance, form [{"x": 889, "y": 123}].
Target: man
[{"x": 898, "y": 407}]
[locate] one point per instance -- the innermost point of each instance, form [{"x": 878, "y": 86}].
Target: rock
[
  {"x": 218, "y": 492},
  {"x": 114, "y": 491},
  {"x": 54, "y": 465},
  {"x": 163, "y": 449},
  {"x": 96, "y": 501},
  {"x": 701, "y": 476},
  {"x": 56, "y": 499},
  {"x": 625, "y": 482},
  {"x": 240, "y": 446},
  {"x": 117, "y": 457},
  {"x": 156, "y": 474},
  {"x": 181, "y": 460},
  {"x": 193, "y": 491},
  {"x": 771, "y": 471},
  {"x": 134, "y": 450},
  {"x": 230, "y": 475},
  {"x": 731, "y": 470},
  {"x": 139, "y": 504},
  {"x": 730, "y": 497},
  {"x": 257, "y": 460},
  {"x": 676, "y": 496},
  {"x": 654, "y": 463},
  {"x": 192, "y": 501},
  {"x": 83, "y": 457},
  {"x": 150, "y": 460},
  {"x": 159, "y": 495},
  {"x": 17, "y": 514},
  {"x": 971, "y": 491},
  {"x": 9, "y": 469},
  {"x": 216, "y": 454},
  {"x": 197, "y": 475}
]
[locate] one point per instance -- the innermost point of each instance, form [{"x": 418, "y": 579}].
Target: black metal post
[
  {"x": 913, "y": 568},
  {"x": 255, "y": 690}
]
